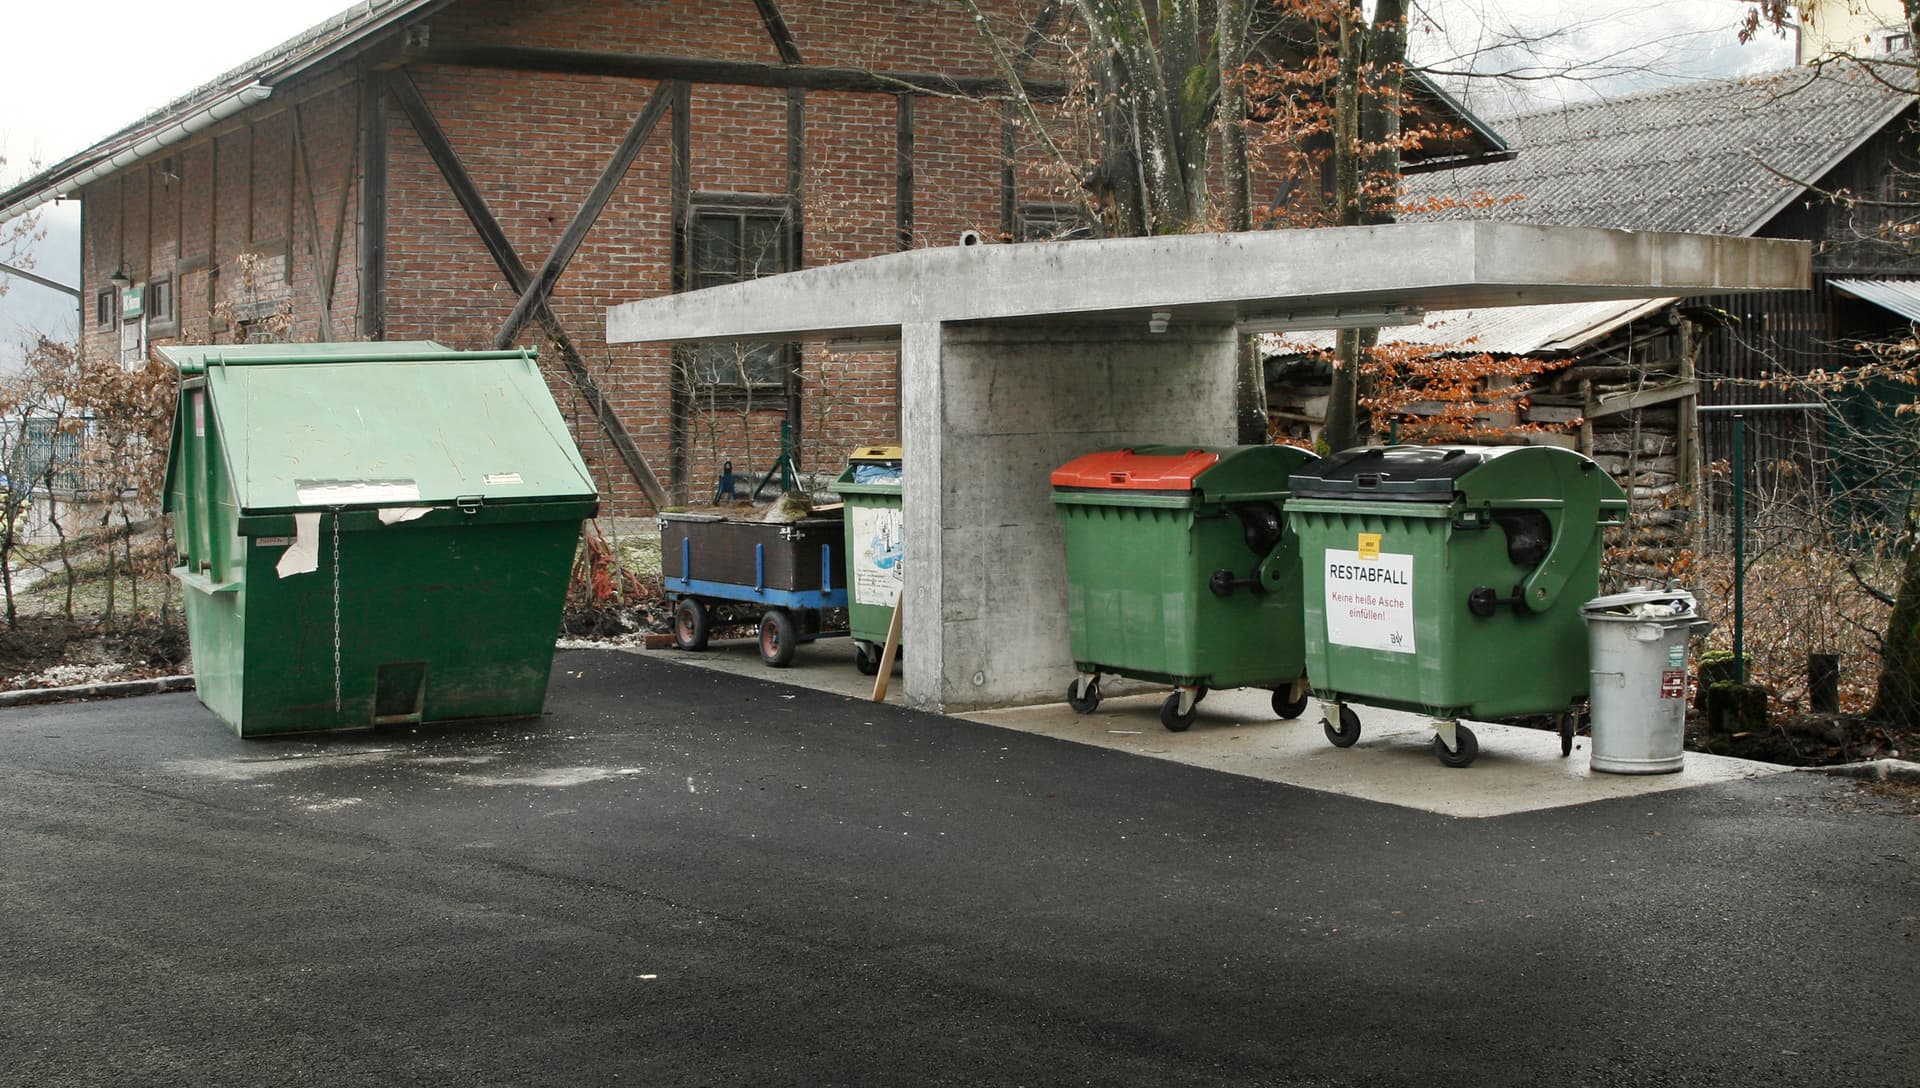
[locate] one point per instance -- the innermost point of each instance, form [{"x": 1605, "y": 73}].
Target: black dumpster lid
[{"x": 1395, "y": 473}]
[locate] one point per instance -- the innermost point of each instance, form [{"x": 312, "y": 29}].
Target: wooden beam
[
  {"x": 1009, "y": 182},
  {"x": 373, "y": 207},
  {"x": 778, "y": 30},
  {"x": 679, "y": 395},
  {"x": 795, "y": 255},
  {"x": 737, "y": 73},
  {"x": 340, "y": 210},
  {"x": 1641, "y": 398},
  {"x": 589, "y": 211},
  {"x": 434, "y": 139},
  {"x": 903, "y": 166},
  {"x": 322, "y": 275},
  {"x": 796, "y": 176}
]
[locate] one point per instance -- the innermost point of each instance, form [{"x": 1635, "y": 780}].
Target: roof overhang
[
  {"x": 1899, "y": 296},
  {"x": 1261, "y": 280},
  {"x": 248, "y": 85}
]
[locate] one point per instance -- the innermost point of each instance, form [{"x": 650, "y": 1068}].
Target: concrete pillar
[{"x": 987, "y": 414}]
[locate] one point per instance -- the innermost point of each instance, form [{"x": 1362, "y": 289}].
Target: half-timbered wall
[{"x": 357, "y": 229}]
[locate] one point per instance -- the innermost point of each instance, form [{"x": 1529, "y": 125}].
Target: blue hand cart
[{"x": 786, "y": 576}]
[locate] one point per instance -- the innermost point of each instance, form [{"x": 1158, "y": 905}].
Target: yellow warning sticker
[{"x": 1369, "y": 548}]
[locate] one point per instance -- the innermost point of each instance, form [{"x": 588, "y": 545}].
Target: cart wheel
[
  {"x": 1200, "y": 694},
  {"x": 1569, "y": 723},
  {"x": 866, "y": 658},
  {"x": 690, "y": 624},
  {"x": 1469, "y": 747},
  {"x": 777, "y": 638},
  {"x": 1084, "y": 704},
  {"x": 1349, "y": 732},
  {"x": 1286, "y": 707},
  {"x": 1171, "y": 717}
]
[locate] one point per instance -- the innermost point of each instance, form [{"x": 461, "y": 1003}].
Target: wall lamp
[{"x": 120, "y": 278}]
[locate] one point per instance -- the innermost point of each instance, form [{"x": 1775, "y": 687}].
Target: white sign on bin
[
  {"x": 877, "y": 573},
  {"x": 1370, "y": 600}
]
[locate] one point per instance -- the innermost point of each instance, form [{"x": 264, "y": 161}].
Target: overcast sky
[{"x": 77, "y": 74}]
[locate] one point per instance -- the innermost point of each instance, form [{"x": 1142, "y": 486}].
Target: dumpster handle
[
  {"x": 1223, "y": 583},
  {"x": 1580, "y": 508},
  {"x": 1483, "y": 603}
]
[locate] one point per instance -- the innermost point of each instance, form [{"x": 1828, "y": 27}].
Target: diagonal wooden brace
[{"x": 408, "y": 97}]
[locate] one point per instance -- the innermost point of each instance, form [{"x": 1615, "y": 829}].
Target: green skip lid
[{"x": 326, "y": 426}]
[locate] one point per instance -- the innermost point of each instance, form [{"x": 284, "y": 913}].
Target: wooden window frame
[{"x": 772, "y": 212}]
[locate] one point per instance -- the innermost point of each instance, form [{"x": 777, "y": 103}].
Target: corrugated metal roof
[
  {"x": 1711, "y": 158},
  {"x": 1506, "y": 330},
  {"x": 1900, "y": 296}
]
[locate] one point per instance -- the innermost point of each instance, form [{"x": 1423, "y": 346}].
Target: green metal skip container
[
  {"x": 870, "y": 487},
  {"x": 1449, "y": 580},
  {"x": 1181, "y": 570},
  {"x": 370, "y": 533}
]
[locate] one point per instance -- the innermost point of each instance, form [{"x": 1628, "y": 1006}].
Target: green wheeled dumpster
[
  {"x": 870, "y": 487},
  {"x": 1449, "y": 580},
  {"x": 370, "y": 533},
  {"x": 1181, "y": 570}
]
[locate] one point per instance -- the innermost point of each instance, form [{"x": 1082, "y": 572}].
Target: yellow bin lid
[{"x": 864, "y": 454}]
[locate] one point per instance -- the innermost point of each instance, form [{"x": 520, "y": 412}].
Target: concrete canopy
[
  {"x": 1016, "y": 358},
  {"x": 1263, "y": 277}
]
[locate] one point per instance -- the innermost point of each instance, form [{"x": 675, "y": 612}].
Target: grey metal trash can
[{"x": 1638, "y": 661}]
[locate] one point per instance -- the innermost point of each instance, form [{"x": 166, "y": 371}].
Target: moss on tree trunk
[{"x": 1897, "y": 700}]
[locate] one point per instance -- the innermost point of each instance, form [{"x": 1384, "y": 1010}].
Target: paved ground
[{"x": 681, "y": 876}]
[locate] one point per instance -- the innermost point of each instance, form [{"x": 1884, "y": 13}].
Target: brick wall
[
  {"x": 534, "y": 145},
  {"x": 185, "y": 216}
]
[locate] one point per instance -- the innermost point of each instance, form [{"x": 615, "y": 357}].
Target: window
[
  {"x": 159, "y": 301},
  {"x": 106, "y": 309},
  {"x": 1051, "y": 223},
  {"x": 727, "y": 245},
  {"x": 1899, "y": 43}
]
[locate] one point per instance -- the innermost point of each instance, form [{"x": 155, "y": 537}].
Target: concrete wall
[{"x": 986, "y": 614}]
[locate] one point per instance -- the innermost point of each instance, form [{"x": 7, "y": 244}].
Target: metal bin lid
[{"x": 1395, "y": 473}]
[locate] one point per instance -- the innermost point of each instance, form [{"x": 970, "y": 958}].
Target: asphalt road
[{"x": 678, "y": 877}]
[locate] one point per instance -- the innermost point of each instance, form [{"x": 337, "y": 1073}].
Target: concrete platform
[{"x": 1518, "y": 770}]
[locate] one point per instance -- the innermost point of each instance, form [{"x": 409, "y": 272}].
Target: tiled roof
[
  {"x": 318, "y": 44},
  {"x": 1707, "y": 157}
]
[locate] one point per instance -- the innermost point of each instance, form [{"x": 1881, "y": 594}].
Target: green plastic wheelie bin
[
  {"x": 1181, "y": 570},
  {"x": 870, "y": 487},
  {"x": 1449, "y": 580},
  {"x": 370, "y": 533}
]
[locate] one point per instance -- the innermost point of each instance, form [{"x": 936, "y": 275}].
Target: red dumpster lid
[{"x": 1127, "y": 470}]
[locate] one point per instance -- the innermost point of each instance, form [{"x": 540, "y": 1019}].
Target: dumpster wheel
[
  {"x": 1088, "y": 701},
  {"x": 690, "y": 624},
  {"x": 1569, "y": 724},
  {"x": 778, "y": 638},
  {"x": 1170, "y": 715},
  {"x": 1288, "y": 706},
  {"x": 1469, "y": 747},
  {"x": 1349, "y": 732},
  {"x": 866, "y": 657}
]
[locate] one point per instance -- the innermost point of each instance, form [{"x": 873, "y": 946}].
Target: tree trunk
[
  {"x": 1252, "y": 427},
  {"x": 1366, "y": 160},
  {"x": 1897, "y": 700}
]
